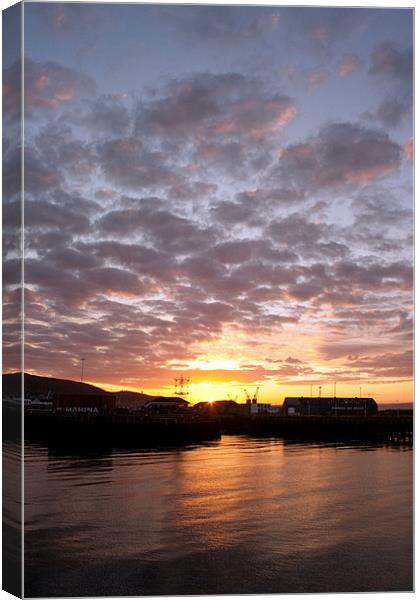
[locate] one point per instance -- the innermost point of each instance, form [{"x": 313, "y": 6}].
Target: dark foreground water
[{"x": 236, "y": 516}]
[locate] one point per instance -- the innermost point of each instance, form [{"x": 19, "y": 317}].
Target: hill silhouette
[{"x": 37, "y": 385}]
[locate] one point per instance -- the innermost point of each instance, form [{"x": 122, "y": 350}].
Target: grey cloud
[
  {"x": 394, "y": 66},
  {"x": 68, "y": 258},
  {"x": 380, "y": 207},
  {"x": 38, "y": 176},
  {"x": 211, "y": 106},
  {"x": 398, "y": 275},
  {"x": 66, "y": 155},
  {"x": 235, "y": 213},
  {"x": 127, "y": 162},
  {"x": 47, "y": 216},
  {"x": 334, "y": 350},
  {"x": 331, "y": 250},
  {"x": 255, "y": 207},
  {"x": 142, "y": 259},
  {"x": 324, "y": 27},
  {"x": 234, "y": 159},
  {"x": 164, "y": 229},
  {"x": 66, "y": 17},
  {"x": 76, "y": 203},
  {"x": 11, "y": 269},
  {"x": 111, "y": 279},
  {"x": 388, "y": 61},
  {"x": 64, "y": 284},
  {"x": 219, "y": 24},
  {"x": 310, "y": 79},
  {"x": 44, "y": 241},
  {"x": 391, "y": 364},
  {"x": 295, "y": 229},
  {"x": 306, "y": 290},
  {"x": 392, "y": 111},
  {"x": 191, "y": 190},
  {"x": 43, "y": 214},
  {"x": 272, "y": 197},
  {"x": 341, "y": 154},
  {"x": 108, "y": 114},
  {"x": 242, "y": 251},
  {"x": 48, "y": 86},
  {"x": 72, "y": 287},
  {"x": 12, "y": 169}
]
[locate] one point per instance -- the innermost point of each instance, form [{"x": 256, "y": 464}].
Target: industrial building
[
  {"x": 262, "y": 408},
  {"x": 325, "y": 406},
  {"x": 83, "y": 403},
  {"x": 222, "y": 408},
  {"x": 164, "y": 405},
  {"x": 225, "y": 408}
]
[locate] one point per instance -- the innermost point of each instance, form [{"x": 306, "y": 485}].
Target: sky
[{"x": 223, "y": 193}]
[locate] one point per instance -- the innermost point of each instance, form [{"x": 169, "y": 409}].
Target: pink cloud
[
  {"x": 349, "y": 64},
  {"x": 315, "y": 78},
  {"x": 274, "y": 20},
  {"x": 342, "y": 153},
  {"x": 47, "y": 86},
  {"x": 228, "y": 105},
  {"x": 59, "y": 17},
  {"x": 409, "y": 149}
]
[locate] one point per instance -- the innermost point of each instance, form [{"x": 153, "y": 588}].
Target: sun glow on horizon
[{"x": 274, "y": 392}]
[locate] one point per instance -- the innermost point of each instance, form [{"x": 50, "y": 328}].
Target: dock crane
[{"x": 254, "y": 397}]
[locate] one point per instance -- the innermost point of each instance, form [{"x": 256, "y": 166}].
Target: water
[{"x": 240, "y": 515}]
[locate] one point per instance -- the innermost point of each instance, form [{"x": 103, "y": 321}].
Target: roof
[
  {"x": 167, "y": 400},
  {"x": 297, "y": 399},
  {"x": 225, "y": 403}
]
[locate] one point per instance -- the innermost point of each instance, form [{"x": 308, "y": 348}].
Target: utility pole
[
  {"x": 83, "y": 365},
  {"x": 181, "y": 386},
  {"x": 335, "y": 389}
]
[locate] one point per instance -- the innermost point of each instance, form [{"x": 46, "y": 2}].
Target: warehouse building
[
  {"x": 83, "y": 403},
  {"x": 262, "y": 408},
  {"x": 165, "y": 405},
  {"x": 324, "y": 406}
]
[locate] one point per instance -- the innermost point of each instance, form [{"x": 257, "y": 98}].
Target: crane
[
  {"x": 254, "y": 397},
  {"x": 247, "y": 397}
]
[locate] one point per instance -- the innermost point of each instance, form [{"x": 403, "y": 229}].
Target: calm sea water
[{"x": 240, "y": 515}]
